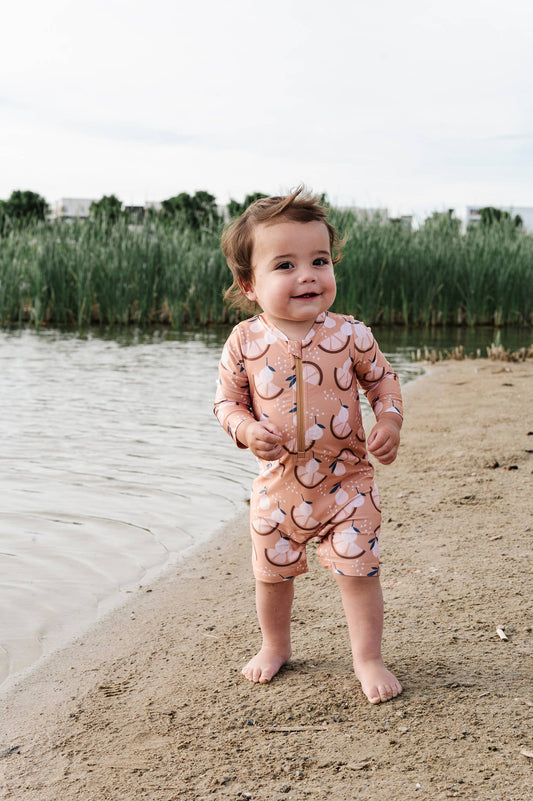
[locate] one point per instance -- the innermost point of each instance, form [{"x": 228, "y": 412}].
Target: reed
[
  {"x": 437, "y": 275},
  {"x": 493, "y": 352},
  {"x": 82, "y": 273}
]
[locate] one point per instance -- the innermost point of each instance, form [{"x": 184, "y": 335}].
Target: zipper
[{"x": 300, "y": 410}]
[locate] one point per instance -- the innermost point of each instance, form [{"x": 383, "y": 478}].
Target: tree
[
  {"x": 3, "y": 218},
  {"x": 489, "y": 215},
  {"x": 235, "y": 208},
  {"x": 109, "y": 207},
  {"x": 24, "y": 207},
  {"x": 198, "y": 211},
  {"x": 443, "y": 221}
]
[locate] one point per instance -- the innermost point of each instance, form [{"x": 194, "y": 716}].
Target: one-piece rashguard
[{"x": 310, "y": 390}]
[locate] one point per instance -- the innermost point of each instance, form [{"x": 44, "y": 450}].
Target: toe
[
  {"x": 385, "y": 692},
  {"x": 380, "y": 693},
  {"x": 373, "y": 695},
  {"x": 396, "y": 689}
]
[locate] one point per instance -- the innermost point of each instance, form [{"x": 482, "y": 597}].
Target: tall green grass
[
  {"x": 89, "y": 272},
  {"x": 92, "y": 272},
  {"x": 435, "y": 275}
]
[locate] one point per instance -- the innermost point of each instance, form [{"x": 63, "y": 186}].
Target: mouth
[{"x": 306, "y": 295}]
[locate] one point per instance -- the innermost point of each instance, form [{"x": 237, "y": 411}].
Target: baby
[{"x": 288, "y": 390}]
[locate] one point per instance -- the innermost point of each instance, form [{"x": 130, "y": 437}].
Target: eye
[
  {"x": 285, "y": 265},
  {"x": 321, "y": 261}
]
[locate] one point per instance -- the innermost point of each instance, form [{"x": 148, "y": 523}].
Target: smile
[{"x": 306, "y": 295}]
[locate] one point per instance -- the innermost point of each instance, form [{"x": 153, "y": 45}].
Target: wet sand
[{"x": 150, "y": 703}]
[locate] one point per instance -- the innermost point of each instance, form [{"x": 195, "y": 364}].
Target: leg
[
  {"x": 363, "y": 605},
  {"x": 274, "y": 604}
]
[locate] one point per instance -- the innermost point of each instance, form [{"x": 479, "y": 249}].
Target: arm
[
  {"x": 382, "y": 388},
  {"x": 233, "y": 406}
]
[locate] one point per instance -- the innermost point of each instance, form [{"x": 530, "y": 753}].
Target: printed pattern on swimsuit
[{"x": 310, "y": 391}]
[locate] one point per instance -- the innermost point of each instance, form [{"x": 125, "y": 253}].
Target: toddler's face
[{"x": 293, "y": 278}]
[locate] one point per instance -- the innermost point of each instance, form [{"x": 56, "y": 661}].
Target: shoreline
[
  {"x": 38, "y": 636},
  {"x": 60, "y": 640},
  {"x": 93, "y": 500},
  {"x": 149, "y": 703}
]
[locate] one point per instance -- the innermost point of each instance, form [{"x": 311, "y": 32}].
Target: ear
[{"x": 248, "y": 290}]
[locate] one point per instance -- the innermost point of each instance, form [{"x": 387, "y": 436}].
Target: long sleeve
[
  {"x": 375, "y": 375},
  {"x": 233, "y": 405}
]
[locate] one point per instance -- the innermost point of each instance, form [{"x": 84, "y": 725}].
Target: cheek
[{"x": 332, "y": 285}]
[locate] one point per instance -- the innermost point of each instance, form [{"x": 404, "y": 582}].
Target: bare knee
[{"x": 356, "y": 584}]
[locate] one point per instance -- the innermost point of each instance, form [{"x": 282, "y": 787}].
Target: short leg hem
[{"x": 277, "y": 578}]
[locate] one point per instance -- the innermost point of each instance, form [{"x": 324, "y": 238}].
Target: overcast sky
[{"x": 411, "y": 105}]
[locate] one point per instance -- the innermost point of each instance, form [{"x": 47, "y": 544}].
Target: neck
[{"x": 292, "y": 329}]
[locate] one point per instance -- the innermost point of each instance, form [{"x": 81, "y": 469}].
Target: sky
[{"x": 413, "y": 106}]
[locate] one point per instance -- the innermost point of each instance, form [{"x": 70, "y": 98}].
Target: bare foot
[
  {"x": 264, "y": 665},
  {"x": 377, "y": 683}
]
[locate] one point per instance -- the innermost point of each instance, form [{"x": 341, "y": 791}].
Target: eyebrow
[{"x": 291, "y": 255}]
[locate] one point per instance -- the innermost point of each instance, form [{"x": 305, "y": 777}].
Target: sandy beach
[{"x": 150, "y": 703}]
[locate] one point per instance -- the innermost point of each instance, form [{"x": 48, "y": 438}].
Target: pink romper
[{"x": 323, "y": 486}]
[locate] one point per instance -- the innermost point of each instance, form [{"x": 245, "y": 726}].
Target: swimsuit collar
[{"x": 308, "y": 337}]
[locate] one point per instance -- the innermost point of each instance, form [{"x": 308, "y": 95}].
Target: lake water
[{"x": 112, "y": 467}]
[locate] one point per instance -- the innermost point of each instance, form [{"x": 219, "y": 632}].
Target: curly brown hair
[{"x": 238, "y": 236}]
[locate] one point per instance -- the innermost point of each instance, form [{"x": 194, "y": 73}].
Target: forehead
[{"x": 285, "y": 237}]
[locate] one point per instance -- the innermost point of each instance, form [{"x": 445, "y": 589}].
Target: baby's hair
[{"x": 238, "y": 237}]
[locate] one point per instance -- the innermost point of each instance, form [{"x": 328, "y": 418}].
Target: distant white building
[
  {"x": 71, "y": 208},
  {"x": 525, "y": 212},
  {"x": 223, "y": 213}
]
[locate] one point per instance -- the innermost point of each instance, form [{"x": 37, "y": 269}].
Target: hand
[
  {"x": 263, "y": 439},
  {"x": 384, "y": 440}
]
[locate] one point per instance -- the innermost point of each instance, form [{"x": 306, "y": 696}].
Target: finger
[
  {"x": 269, "y": 456},
  {"x": 371, "y": 439},
  {"x": 377, "y": 436},
  {"x": 267, "y": 435},
  {"x": 272, "y": 429},
  {"x": 268, "y": 445},
  {"x": 388, "y": 457},
  {"x": 385, "y": 456},
  {"x": 378, "y": 446},
  {"x": 275, "y": 448}
]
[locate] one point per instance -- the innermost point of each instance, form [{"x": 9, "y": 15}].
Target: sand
[{"x": 150, "y": 703}]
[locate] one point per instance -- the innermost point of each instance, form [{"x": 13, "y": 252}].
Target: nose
[{"x": 306, "y": 274}]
